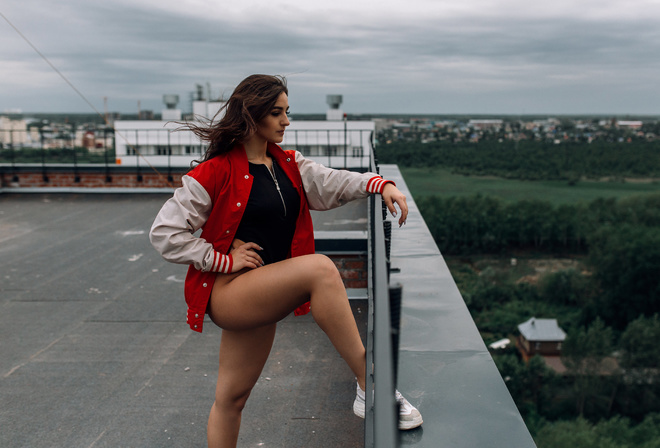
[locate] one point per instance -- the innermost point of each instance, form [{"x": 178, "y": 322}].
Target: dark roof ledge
[{"x": 445, "y": 368}]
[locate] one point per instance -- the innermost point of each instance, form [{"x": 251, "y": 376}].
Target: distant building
[
  {"x": 485, "y": 124},
  {"x": 95, "y": 140},
  {"x": 540, "y": 337},
  {"x": 629, "y": 124},
  {"x": 146, "y": 115},
  {"x": 13, "y": 132}
]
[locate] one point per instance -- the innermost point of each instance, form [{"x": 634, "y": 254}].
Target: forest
[
  {"x": 531, "y": 159},
  {"x": 605, "y": 292}
]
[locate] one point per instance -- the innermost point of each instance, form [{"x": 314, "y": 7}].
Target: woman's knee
[
  {"x": 324, "y": 269},
  {"x": 232, "y": 401}
]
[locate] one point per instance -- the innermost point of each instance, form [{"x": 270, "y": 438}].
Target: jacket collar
[{"x": 237, "y": 154}]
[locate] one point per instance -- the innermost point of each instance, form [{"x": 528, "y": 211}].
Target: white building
[
  {"x": 13, "y": 132},
  {"x": 338, "y": 144}
]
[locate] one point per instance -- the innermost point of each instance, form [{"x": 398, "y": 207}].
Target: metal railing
[
  {"x": 335, "y": 148},
  {"x": 381, "y": 419},
  {"x": 44, "y": 148},
  {"x": 162, "y": 147}
]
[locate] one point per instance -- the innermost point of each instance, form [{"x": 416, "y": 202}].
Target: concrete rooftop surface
[{"x": 95, "y": 350}]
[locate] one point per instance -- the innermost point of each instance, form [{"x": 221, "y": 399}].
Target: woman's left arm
[{"x": 328, "y": 188}]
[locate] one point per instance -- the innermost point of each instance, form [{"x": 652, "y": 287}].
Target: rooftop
[
  {"x": 93, "y": 341},
  {"x": 541, "y": 330}
]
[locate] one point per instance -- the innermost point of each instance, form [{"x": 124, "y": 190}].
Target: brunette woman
[{"x": 254, "y": 262}]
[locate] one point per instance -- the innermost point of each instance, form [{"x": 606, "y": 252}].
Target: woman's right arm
[{"x": 172, "y": 233}]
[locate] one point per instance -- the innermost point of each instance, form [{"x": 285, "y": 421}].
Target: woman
[{"x": 254, "y": 262}]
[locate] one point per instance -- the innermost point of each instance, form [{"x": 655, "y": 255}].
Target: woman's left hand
[{"x": 391, "y": 195}]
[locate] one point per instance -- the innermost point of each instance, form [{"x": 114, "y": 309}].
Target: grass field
[{"x": 441, "y": 182}]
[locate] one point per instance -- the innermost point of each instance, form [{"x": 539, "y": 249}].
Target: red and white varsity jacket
[{"x": 213, "y": 198}]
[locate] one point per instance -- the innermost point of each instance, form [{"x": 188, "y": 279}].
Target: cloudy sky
[{"x": 383, "y": 56}]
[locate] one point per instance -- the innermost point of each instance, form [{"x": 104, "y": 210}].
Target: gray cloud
[{"x": 490, "y": 62}]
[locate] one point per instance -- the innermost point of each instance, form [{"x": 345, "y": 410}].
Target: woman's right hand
[{"x": 245, "y": 256}]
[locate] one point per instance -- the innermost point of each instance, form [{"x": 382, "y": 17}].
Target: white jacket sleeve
[
  {"x": 328, "y": 188},
  {"x": 172, "y": 233}
]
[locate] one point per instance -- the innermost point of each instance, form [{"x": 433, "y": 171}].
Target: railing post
[
  {"x": 14, "y": 177},
  {"x": 345, "y": 141},
  {"x": 43, "y": 157},
  {"x": 72, "y": 142},
  {"x": 137, "y": 157},
  {"x": 108, "y": 178},
  {"x": 328, "y": 146},
  {"x": 396, "y": 297},
  {"x": 169, "y": 156},
  {"x": 387, "y": 230}
]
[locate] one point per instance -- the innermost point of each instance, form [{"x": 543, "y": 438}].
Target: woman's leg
[
  {"x": 242, "y": 358},
  {"x": 267, "y": 294}
]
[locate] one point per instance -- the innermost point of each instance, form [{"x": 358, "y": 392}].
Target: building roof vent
[
  {"x": 334, "y": 101},
  {"x": 334, "y": 113},
  {"x": 171, "y": 101}
]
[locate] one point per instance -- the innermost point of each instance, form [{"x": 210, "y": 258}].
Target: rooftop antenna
[{"x": 199, "y": 92}]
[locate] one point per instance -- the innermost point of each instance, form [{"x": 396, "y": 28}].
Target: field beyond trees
[{"x": 444, "y": 183}]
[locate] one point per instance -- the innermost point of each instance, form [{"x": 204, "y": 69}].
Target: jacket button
[
  {"x": 288, "y": 159},
  {"x": 238, "y": 204},
  {"x": 204, "y": 285},
  {"x": 196, "y": 315},
  {"x": 247, "y": 177},
  {"x": 195, "y": 326},
  {"x": 227, "y": 231}
]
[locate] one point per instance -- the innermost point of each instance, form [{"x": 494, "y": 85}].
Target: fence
[
  {"x": 148, "y": 148},
  {"x": 381, "y": 419},
  {"x": 335, "y": 148}
]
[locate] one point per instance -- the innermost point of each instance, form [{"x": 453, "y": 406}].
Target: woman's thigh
[
  {"x": 242, "y": 358},
  {"x": 267, "y": 294}
]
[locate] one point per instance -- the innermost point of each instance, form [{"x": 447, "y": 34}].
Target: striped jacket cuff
[
  {"x": 376, "y": 184},
  {"x": 222, "y": 263}
]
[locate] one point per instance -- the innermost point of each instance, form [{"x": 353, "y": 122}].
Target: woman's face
[{"x": 272, "y": 127}]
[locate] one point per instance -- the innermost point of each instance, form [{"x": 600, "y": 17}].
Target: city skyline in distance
[{"x": 502, "y": 57}]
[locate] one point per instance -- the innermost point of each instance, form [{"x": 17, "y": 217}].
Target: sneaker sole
[
  {"x": 358, "y": 409},
  {"x": 406, "y": 425},
  {"x": 403, "y": 425}
]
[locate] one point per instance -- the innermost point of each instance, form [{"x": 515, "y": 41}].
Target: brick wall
[
  {"x": 85, "y": 179},
  {"x": 353, "y": 269}
]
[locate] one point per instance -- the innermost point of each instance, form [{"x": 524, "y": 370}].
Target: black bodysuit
[{"x": 270, "y": 217}]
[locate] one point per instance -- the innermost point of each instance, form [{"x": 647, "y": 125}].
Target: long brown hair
[{"x": 250, "y": 102}]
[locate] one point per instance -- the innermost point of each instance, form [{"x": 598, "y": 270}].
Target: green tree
[
  {"x": 584, "y": 353},
  {"x": 574, "y": 434},
  {"x": 626, "y": 263},
  {"x": 529, "y": 383},
  {"x": 639, "y": 343},
  {"x": 566, "y": 287},
  {"x": 616, "y": 432}
]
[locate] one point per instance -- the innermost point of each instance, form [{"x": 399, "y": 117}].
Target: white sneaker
[{"x": 409, "y": 416}]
